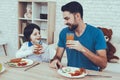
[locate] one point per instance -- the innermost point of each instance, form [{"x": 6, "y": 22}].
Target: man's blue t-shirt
[{"x": 92, "y": 38}]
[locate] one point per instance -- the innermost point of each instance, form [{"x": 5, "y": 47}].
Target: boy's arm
[{"x": 24, "y": 51}]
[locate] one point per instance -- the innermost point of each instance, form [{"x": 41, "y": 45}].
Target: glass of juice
[
  {"x": 38, "y": 45},
  {"x": 69, "y": 38}
]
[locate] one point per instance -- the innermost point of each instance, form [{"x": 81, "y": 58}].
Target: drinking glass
[
  {"x": 39, "y": 45},
  {"x": 69, "y": 38}
]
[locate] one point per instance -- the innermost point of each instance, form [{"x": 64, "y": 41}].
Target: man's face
[{"x": 70, "y": 20}]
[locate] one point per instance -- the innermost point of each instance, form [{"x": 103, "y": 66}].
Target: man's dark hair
[
  {"x": 29, "y": 29},
  {"x": 73, "y": 7}
]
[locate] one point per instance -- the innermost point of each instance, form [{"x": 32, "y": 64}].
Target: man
[{"x": 87, "y": 50}]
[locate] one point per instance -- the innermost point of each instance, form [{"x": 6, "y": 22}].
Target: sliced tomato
[{"x": 22, "y": 63}]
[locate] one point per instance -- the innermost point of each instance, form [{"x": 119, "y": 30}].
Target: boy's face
[{"x": 35, "y": 36}]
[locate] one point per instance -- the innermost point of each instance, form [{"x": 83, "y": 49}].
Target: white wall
[
  {"x": 104, "y": 13},
  {"x": 8, "y": 25}
]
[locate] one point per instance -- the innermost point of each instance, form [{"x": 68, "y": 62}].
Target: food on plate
[
  {"x": 22, "y": 63},
  {"x": 0, "y": 67},
  {"x": 78, "y": 72},
  {"x": 72, "y": 72},
  {"x": 15, "y": 60},
  {"x": 66, "y": 70}
]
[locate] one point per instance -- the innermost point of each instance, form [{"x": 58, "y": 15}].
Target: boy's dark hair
[
  {"x": 29, "y": 29},
  {"x": 73, "y": 7}
]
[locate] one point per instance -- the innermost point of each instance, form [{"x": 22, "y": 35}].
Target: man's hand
[
  {"x": 56, "y": 64},
  {"x": 75, "y": 45}
]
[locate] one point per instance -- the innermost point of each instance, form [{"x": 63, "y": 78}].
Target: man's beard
[{"x": 72, "y": 27}]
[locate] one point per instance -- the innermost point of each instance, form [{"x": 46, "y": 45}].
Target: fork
[{"x": 32, "y": 66}]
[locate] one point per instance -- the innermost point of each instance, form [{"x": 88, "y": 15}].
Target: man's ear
[{"x": 78, "y": 16}]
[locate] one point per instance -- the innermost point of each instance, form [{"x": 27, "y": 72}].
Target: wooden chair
[{"x": 3, "y": 44}]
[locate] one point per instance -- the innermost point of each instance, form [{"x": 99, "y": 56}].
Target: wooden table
[{"x": 44, "y": 72}]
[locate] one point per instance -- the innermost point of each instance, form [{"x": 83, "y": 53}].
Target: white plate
[
  {"x": 3, "y": 69},
  {"x": 28, "y": 61},
  {"x": 65, "y": 71}
]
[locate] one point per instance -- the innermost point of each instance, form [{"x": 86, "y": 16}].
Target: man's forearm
[
  {"x": 59, "y": 54},
  {"x": 55, "y": 57},
  {"x": 99, "y": 59}
]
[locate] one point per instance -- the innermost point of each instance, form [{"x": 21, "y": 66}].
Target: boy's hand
[{"x": 38, "y": 49}]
